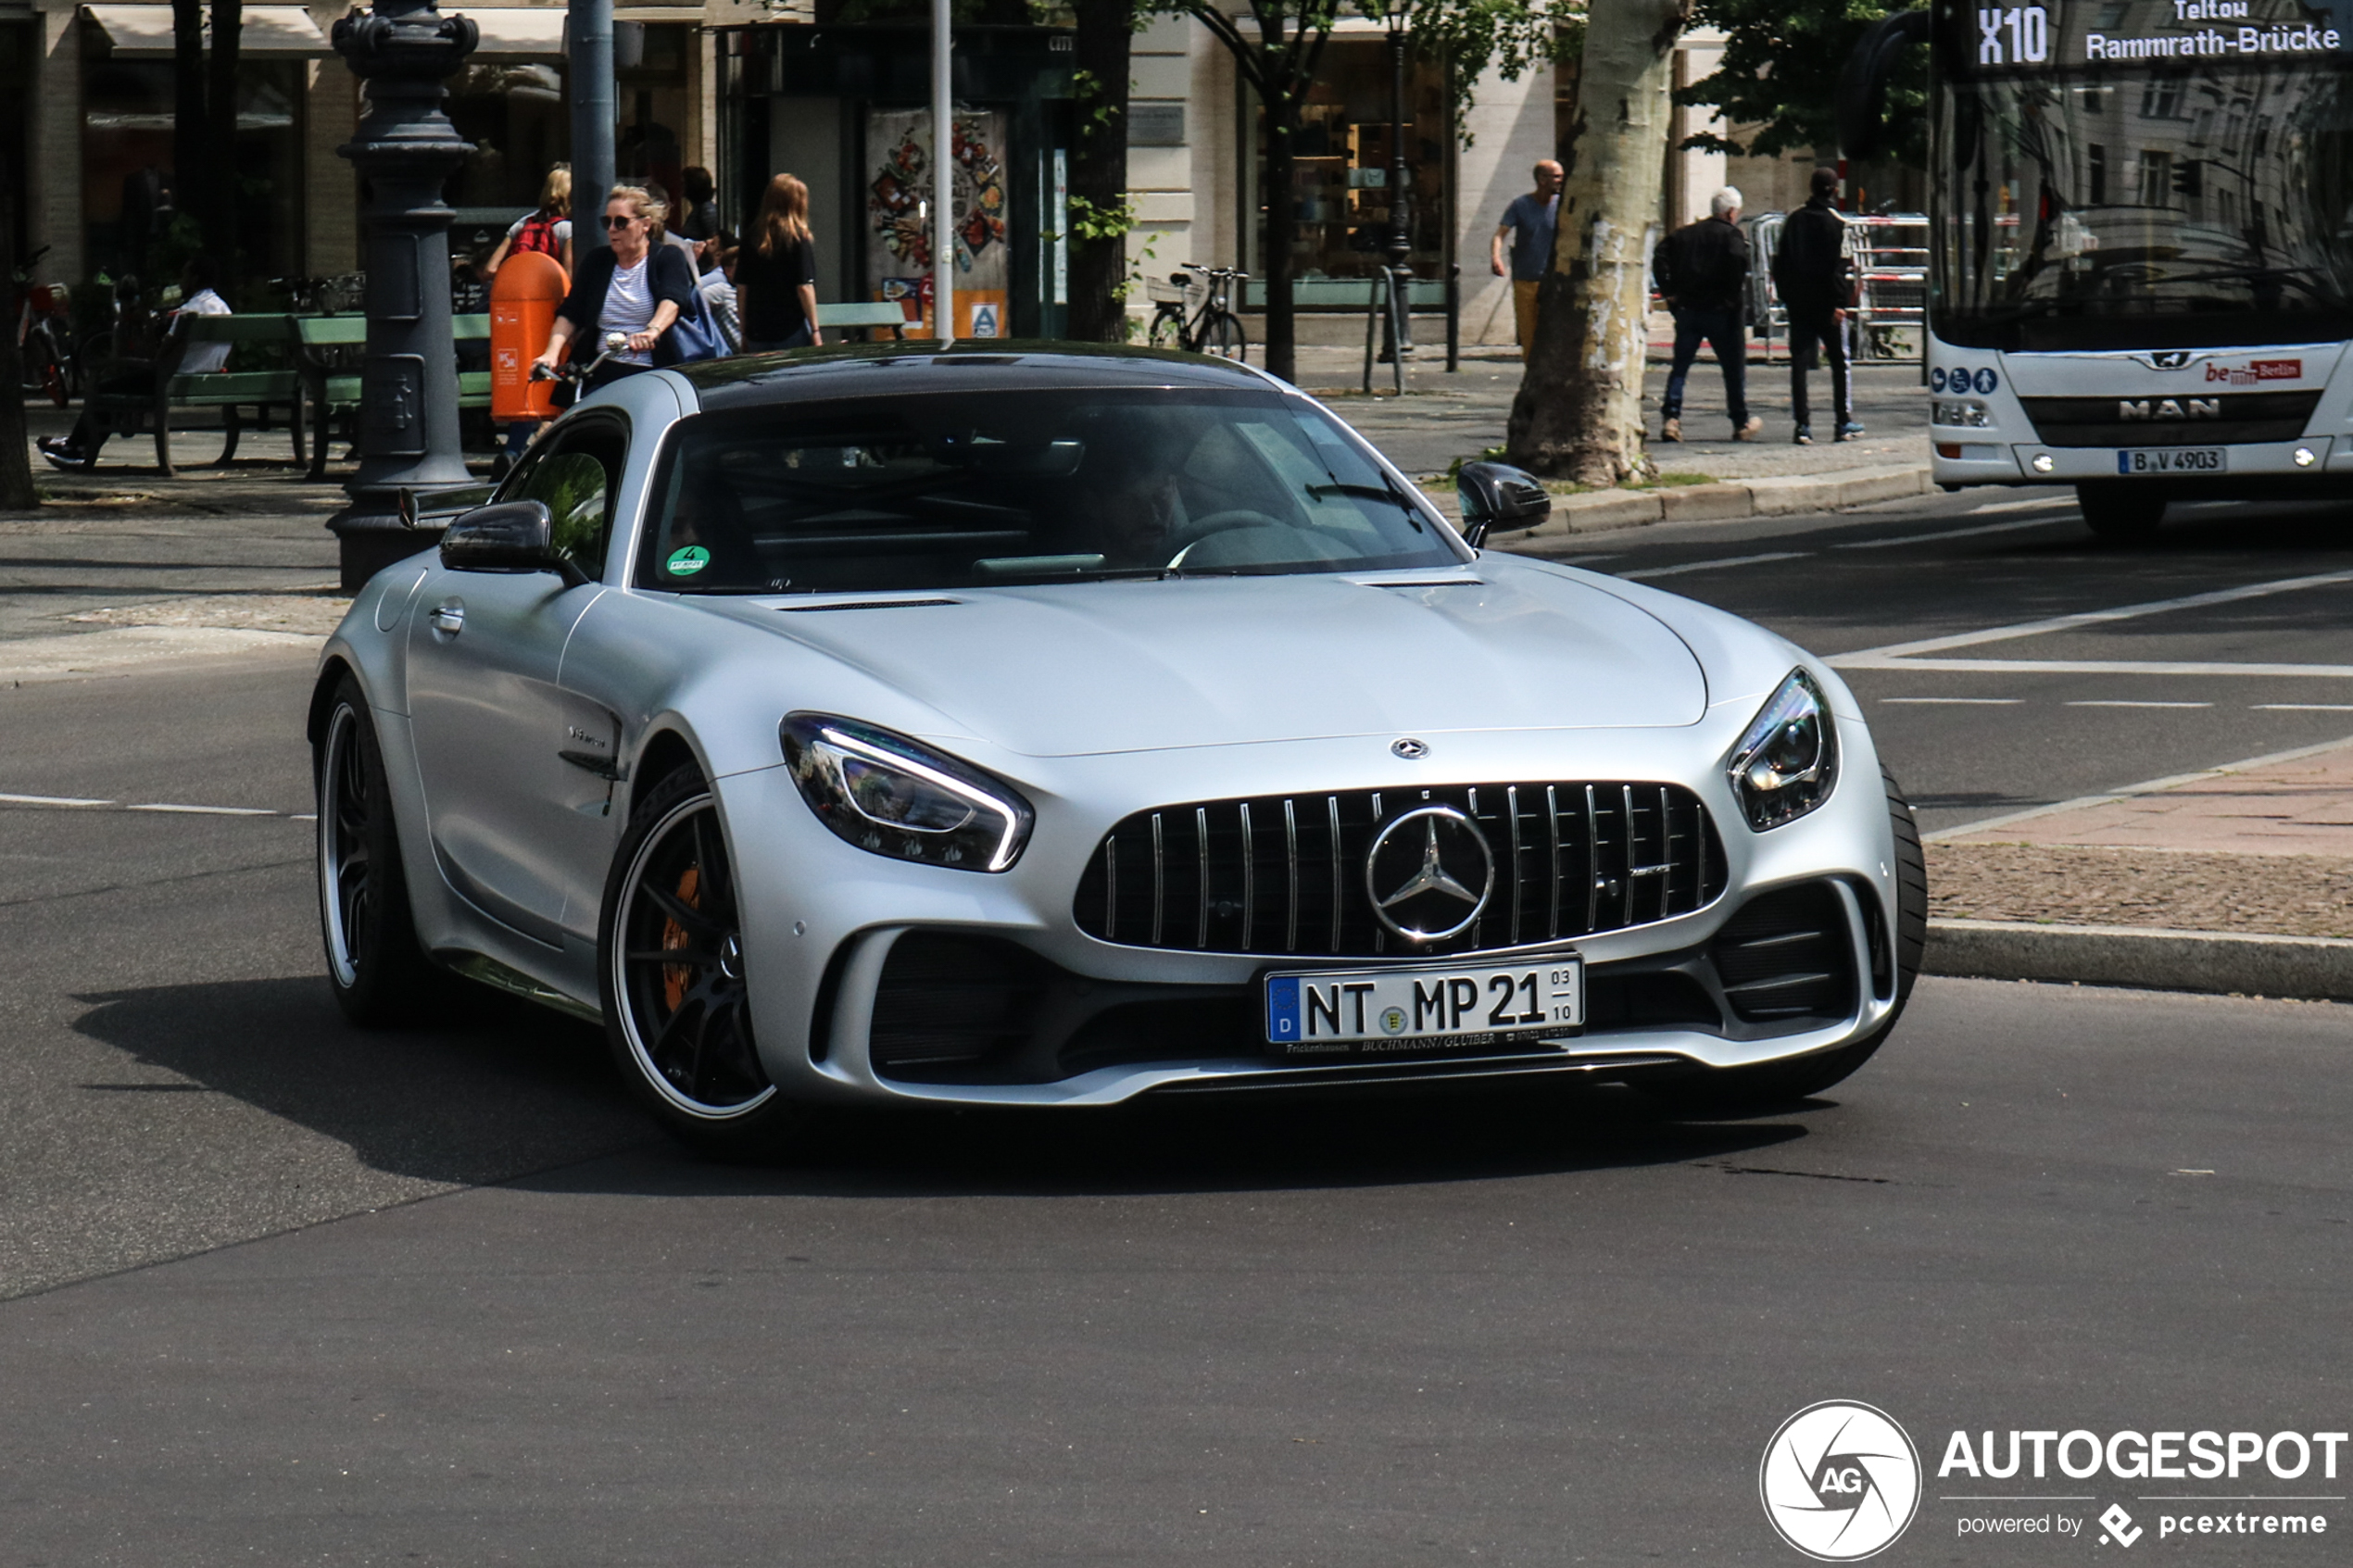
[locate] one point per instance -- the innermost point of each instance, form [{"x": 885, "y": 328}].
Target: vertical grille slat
[{"x": 1626, "y": 853}]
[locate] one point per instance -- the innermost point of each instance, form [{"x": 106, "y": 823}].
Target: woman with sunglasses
[{"x": 633, "y": 284}]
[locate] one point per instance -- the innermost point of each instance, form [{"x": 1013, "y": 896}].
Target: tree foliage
[{"x": 1780, "y": 74}]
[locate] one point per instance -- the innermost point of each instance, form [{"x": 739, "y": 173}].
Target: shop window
[
  {"x": 1340, "y": 171},
  {"x": 513, "y": 113},
  {"x": 129, "y": 157}
]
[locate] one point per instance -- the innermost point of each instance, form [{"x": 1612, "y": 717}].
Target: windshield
[
  {"x": 2144, "y": 173},
  {"x": 955, "y": 491}
]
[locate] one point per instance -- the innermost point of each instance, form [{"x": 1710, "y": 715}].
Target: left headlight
[
  {"x": 1786, "y": 762},
  {"x": 896, "y": 796}
]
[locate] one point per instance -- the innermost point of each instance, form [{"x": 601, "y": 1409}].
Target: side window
[{"x": 577, "y": 478}]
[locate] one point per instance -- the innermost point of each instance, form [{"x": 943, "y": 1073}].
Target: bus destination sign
[{"x": 2138, "y": 31}]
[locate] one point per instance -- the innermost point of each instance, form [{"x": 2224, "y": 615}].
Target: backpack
[{"x": 538, "y": 232}]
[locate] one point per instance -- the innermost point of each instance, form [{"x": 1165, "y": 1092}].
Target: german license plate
[
  {"x": 2173, "y": 459},
  {"x": 1425, "y": 1007}
]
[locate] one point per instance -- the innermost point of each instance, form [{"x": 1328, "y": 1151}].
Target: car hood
[{"x": 1092, "y": 668}]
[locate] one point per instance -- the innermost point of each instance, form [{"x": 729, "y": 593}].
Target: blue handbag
[{"x": 695, "y": 335}]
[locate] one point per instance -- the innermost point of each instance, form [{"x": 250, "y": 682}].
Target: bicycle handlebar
[{"x": 572, "y": 371}]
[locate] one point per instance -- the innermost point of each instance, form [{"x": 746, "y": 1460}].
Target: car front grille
[
  {"x": 1285, "y": 875},
  {"x": 2185, "y": 420}
]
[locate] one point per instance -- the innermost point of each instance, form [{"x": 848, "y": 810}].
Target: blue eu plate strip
[{"x": 1282, "y": 1008}]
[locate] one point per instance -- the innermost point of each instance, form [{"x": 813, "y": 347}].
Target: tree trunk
[
  {"x": 16, "y": 461},
  {"x": 192, "y": 160},
  {"x": 220, "y": 215},
  {"x": 1282, "y": 227},
  {"x": 1099, "y": 170},
  {"x": 1579, "y": 414}
]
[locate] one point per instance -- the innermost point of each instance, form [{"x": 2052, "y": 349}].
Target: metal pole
[
  {"x": 589, "y": 23},
  {"x": 943, "y": 168},
  {"x": 403, "y": 149}
]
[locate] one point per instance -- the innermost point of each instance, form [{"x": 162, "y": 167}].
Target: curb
[
  {"x": 2311, "y": 967},
  {"x": 1602, "y": 511}
]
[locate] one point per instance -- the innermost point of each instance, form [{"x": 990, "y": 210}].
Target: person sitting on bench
[{"x": 79, "y": 451}]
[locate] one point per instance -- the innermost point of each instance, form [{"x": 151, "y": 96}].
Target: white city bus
[{"x": 2142, "y": 272}]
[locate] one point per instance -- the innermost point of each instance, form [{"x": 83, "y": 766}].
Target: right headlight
[
  {"x": 1786, "y": 762},
  {"x": 889, "y": 795}
]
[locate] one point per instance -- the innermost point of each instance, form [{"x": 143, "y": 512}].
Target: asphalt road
[
  {"x": 277, "y": 1291},
  {"x": 2150, "y": 689}
]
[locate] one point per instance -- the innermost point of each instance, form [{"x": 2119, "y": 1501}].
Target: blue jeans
[{"x": 1722, "y": 332}]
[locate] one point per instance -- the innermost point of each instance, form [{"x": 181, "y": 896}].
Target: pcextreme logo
[{"x": 1840, "y": 1481}]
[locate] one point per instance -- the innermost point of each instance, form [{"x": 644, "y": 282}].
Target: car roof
[{"x": 888, "y": 369}]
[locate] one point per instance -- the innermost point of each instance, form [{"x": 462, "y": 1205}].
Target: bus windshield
[{"x": 2144, "y": 173}]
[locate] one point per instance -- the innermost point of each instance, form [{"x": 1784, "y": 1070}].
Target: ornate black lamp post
[{"x": 404, "y": 150}]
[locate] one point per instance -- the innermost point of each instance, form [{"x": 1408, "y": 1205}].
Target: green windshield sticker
[{"x": 688, "y": 561}]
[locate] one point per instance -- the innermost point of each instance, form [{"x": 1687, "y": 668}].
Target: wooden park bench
[
  {"x": 229, "y": 391},
  {"x": 870, "y": 315},
  {"x": 335, "y": 389}
]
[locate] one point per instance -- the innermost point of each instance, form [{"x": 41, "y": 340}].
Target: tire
[
  {"x": 378, "y": 972},
  {"x": 1168, "y": 331},
  {"x": 681, "y": 1032},
  {"x": 1223, "y": 339},
  {"x": 1747, "y": 1089},
  {"x": 2122, "y": 513}
]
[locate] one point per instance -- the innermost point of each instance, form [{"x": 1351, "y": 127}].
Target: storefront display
[{"x": 1340, "y": 170}]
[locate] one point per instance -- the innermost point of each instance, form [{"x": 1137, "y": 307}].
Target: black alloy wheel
[
  {"x": 379, "y": 973},
  {"x": 673, "y": 967},
  {"x": 1743, "y": 1089}
]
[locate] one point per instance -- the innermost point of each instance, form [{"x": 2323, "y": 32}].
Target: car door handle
[{"x": 449, "y": 618}]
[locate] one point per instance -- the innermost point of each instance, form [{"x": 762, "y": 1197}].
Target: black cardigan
[{"x": 669, "y": 277}]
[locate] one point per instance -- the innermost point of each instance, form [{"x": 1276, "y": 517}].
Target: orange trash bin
[{"x": 523, "y": 297}]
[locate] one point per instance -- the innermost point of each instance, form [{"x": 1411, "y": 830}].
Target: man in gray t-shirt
[{"x": 1530, "y": 222}]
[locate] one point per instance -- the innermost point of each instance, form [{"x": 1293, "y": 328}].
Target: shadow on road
[{"x": 528, "y": 1098}]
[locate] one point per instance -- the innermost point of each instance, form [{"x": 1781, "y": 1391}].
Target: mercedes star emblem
[
  {"x": 1429, "y": 873},
  {"x": 1410, "y": 748}
]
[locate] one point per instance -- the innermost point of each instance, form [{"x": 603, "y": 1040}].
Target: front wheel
[
  {"x": 671, "y": 963},
  {"x": 379, "y": 973},
  {"x": 2125, "y": 513},
  {"x": 1222, "y": 336}
]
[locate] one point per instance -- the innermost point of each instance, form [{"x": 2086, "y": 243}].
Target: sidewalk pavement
[{"x": 2235, "y": 879}]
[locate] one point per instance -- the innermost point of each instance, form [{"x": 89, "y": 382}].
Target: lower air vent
[
  {"x": 1787, "y": 955},
  {"x": 952, "y": 1009}
]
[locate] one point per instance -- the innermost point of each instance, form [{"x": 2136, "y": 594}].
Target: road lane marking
[
  {"x": 2089, "y": 667},
  {"x": 2113, "y": 702},
  {"x": 1949, "y": 534},
  {"x": 2303, "y": 707},
  {"x": 2088, "y": 618},
  {"x": 1712, "y": 565},
  {"x": 2147, "y": 787},
  {"x": 1958, "y": 701},
  {"x": 2020, "y": 506},
  {"x": 207, "y": 810},
  {"x": 71, "y": 803}
]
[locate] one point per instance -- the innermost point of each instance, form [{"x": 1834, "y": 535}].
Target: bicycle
[
  {"x": 1215, "y": 329},
  {"x": 43, "y": 320}
]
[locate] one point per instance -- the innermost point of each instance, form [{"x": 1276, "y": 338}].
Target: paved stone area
[{"x": 2264, "y": 849}]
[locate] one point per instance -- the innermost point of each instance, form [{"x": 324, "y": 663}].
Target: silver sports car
[{"x": 1000, "y": 725}]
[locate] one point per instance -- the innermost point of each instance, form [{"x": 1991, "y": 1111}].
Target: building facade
[{"x": 748, "y": 88}]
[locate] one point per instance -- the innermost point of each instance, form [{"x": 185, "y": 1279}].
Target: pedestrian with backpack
[
  {"x": 1701, "y": 271},
  {"x": 1814, "y": 274},
  {"x": 547, "y": 230}
]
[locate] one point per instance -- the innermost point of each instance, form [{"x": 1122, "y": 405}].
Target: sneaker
[
  {"x": 1805, "y": 436},
  {"x": 61, "y": 455},
  {"x": 1671, "y": 429},
  {"x": 1849, "y": 430},
  {"x": 1751, "y": 430}
]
